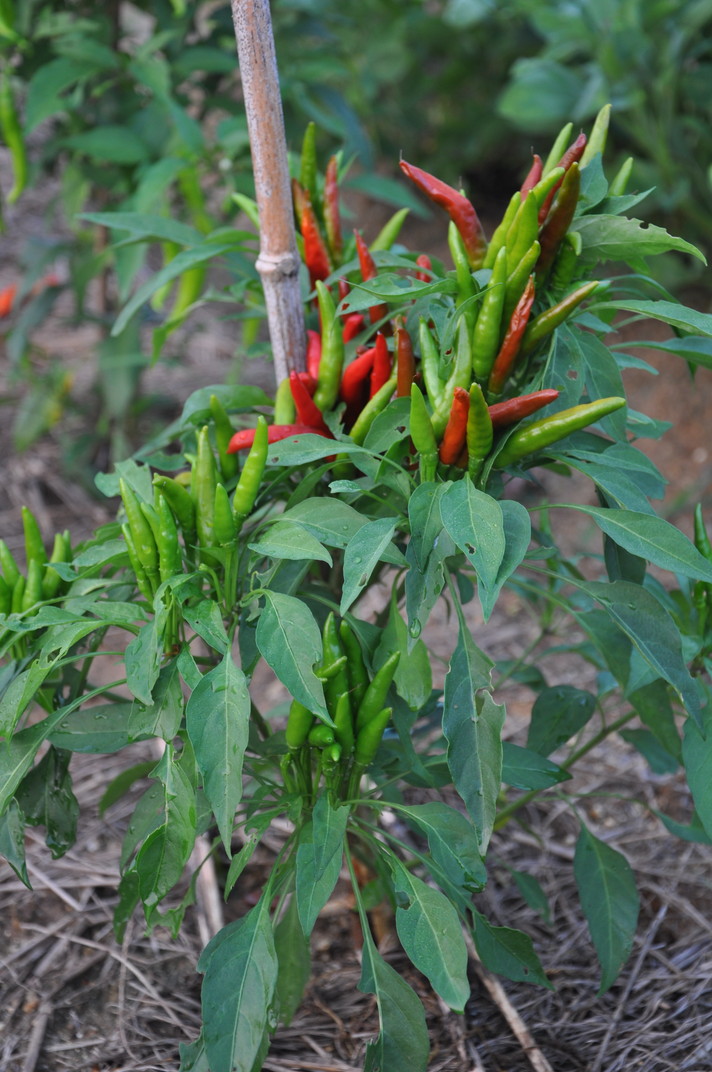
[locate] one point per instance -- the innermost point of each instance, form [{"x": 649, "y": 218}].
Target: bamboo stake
[{"x": 278, "y": 262}]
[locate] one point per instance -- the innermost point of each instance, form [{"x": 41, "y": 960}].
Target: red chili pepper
[
  {"x": 369, "y": 271},
  {"x": 353, "y": 326},
  {"x": 509, "y": 349},
  {"x": 423, "y": 261},
  {"x": 405, "y": 361},
  {"x": 456, "y": 428},
  {"x": 515, "y": 409},
  {"x": 300, "y": 199},
  {"x": 572, "y": 155},
  {"x": 308, "y": 412},
  {"x": 316, "y": 256},
  {"x": 7, "y": 299},
  {"x": 354, "y": 380},
  {"x": 460, "y": 210},
  {"x": 309, "y": 381},
  {"x": 245, "y": 438},
  {"x": 382, "y": 365},
  {"x": 344, "y": 289},
  {"x": 533, "y": 176},
  {"x": 332, "y": 219},
  {"x": 313, "y": 352}
]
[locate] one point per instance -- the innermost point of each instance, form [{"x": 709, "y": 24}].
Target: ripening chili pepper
[
  {"x": 598, "y": 136},
  {"x": 376, "y": 693},
  {"x": 460, "y": 210},
  {"x": 299, "y": 199},
  {"x": 11, "y": 130},
  {"x": 332, "y": 354},
  {"x": 572, "y": 156},
  {"x": 316, "y": 256},
  {"x": 382, "y": 364},
  {"x": 299, "y": 722},
  {"x": 141, "y": 534},
  {"x": 332, "y": 217},
  {"x": 425, "y": 264},
  {"x": 560, "y": 143},
  {"x": 460, "y": 376},
  {"x": 353, "y": 326},
  {"x": 202, "y": 488},
  {"x": 517, "y": 282},
  {"x": 548, "y": 430},
  {"x": 344, "y": 288},
  {"x": 371, "y": 410},
  {"x": 224, "y": 432},
  {"x": 7, "y": 300},
  {"x": 248, "y": 485},
  {"x": 502, "y": 414},
  {"x": 498, "y": 238},
  {"x": 354, "y": 381},
  {"x": 545, "y": 190},
  {"x": 423, "y": 436},
  {"x": 244, "y": 439},
  {"x": 369, "y": 270},
  {"x": 181, "y": 503},
  {"x": 455, "y": 433},
  {"x": 355, "y": 667},
  {"x": 533, "y": 176},
  {"x": 559, "y": 220},
  {"x": 10, "y": 568},
  {"x": 34, "y": 544},
  {"x": 307, "y": 411},
  {"x": 508, "y": 351},
  {"x": 369, "y": 738},
  {"x": 479, "y": 434},
  {"x": 485, "y": 338},
  {"x": 405, "y": 360},
  {"x": 545, "y": 323}
]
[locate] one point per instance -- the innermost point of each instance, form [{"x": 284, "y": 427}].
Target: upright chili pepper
[
  {"x": 332, "y": 217},
  {"x": 545, "y": 323},
  {"x": 572, "y": 155},
  {"x": 560, "y": 143},
  {"x": 405, "y": 360},
  {"x": 498, "y": 238},
  {"x": 18, "y": 595},
  {"x": 355, "y": 666},
  {"x": 423, "y": 436},
  {"x": 245, "y": 438},
  {"x": 354, "y": 382},
  {"x": 479, "y": 432},
  {"x": 224, "y": 432},
  {"x": 523, "y": 230},
  {"x": 485, "y": 338},
  {"x": 34, "y": 544},
  {"x": 517, "y": 280},
  {"x": 299, "y": 198},
  {"x": 202, "y": 488},
  {"x": 701, "y": 537},
  {"x": 502, "y": 414},
  {"x": 283, "y": 403},
  {"x": 369, "y": 738},
  {"x": 548, "y": 430},
  {"x": 308, "y": 163},
  {"x": 466, "y": 286},
  {"x": 11, "y": 130},
  {"x": 456, "y": 428},
  {"x": 565, "y": 261},
  {"x": 382, "y": 364},
  {"x": 460, "y": 376},
  {"x": 353, "y": 326},
  {"x": 316, "y": 256},
  {"x": 33, "y": 586},
  {"x": 429, "y": 362},
  {"x": 6, "y": 597},
  {"x": 425, "y": 264},
  {"x": 598, "y": 136},
  {"x": 61, "y": 552},
  {"x": 559, "y": 220},
  {"x": 619, "y": 183},
  {"x": 376, "y": 693},
  {"x": 248, "y": 485},
  {"x": 546, "y": 186},
  {"x": 344, "y": 723},
  {"x": 307, "y": 411},
  {"x": 10, "y": 568},
  {"x": 332, "y": 354},
  {"x": 388, "y": 234},
  {"x": 170, "y": 560},
  {"x": 369, "y": 270},
  {"x": 142, "y": 582},
  {"x": 508, "y": 351},
  {"x": 371, "y": 410},
  {"x": 460, "y": 210},
  {"x": 313, "y": 355},
  {"x": 533, "y": 176},
  {"x": 181, "y": 503},
  {"x": 141, "y": 533}
]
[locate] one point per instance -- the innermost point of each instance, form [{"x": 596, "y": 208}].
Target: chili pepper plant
[{"x": 402, "y": 473}]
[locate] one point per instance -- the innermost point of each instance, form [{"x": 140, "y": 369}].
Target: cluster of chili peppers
[
  {"x": 355, "y": 701},
  {"x": 357, "y": 364}
]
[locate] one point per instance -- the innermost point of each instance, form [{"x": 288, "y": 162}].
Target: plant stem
[{"x": 278, "y": 262}]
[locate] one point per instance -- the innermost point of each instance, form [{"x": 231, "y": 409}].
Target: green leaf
[
  {"x": 429, "y": 929},
  {"x": 517, "y": 534},
  {"x": 609, "y": 900},
  {"x": 414, "y": 676},
  {"x": 533, "y": 894},
  {"x": 103, "y": 729},
  {"x": 165, "y": 852},
  {"x": 697, "y": 757},
  {"x": 46, "y": 85},
  {"x": 164, "y": 717},
  {"x": 403, "y": 1044},
  {"x": 694, "y": 348},
  {"x": 21, "y": 692},
  {"x": 12, "y": 841},
  {"x": 658, "y": 759},
  {"x": 525, "y": 769},
  {"x": 425, "y": 520},
  {"x": 472, "y": 724},
  {"x": 652, "y": 703},
  {"x": 452, "y": 841},
  {"x": 363, "y": 553},
  {"x": 651, "y": 629},
  {"x": 508, "y": 952},
  {"x": 335, "y": 523},
  {"x": 319, "y": 857},
  {"x": 217, "y": 721},
  {"x": 110, "y": 144},
  {"x": 621, "y": 238},
  {"x": 307, "y": 448},
  {"x": 294, "y": 962},
  {"x": 46, "y": 798},
  {"x": 289, "y": 641},
  {"x": 677, "y": 316},
  {"x": 557, "y": 715},
  {"x": 476, "y": 524},
  {"x": 142, "y": 225},
  {"x": 121, "y": 784},
  {"x": 241, "y": 968},
  {"x": 206, "y": 620},
  {"x": 143, "y": 659},
  {"x": 539, "y": 94},
  {"x": 651, "y": 538},
  {"x": 17, "y": 754},
  {"x": 287, "y": 540}
]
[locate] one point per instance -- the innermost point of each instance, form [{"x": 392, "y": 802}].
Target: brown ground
[{"x": 71, "y": 999}]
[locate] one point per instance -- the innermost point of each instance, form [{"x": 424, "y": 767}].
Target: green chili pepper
[
  {"x": 181, "y": 503},
  {"x": 224, "y": 432},
  {"x": 619, "y": 183},
  {"x": 248, "y": 485},
  {"x": 18, "y": 595},
  {"x": 33, "y": 588},
  {"x": 299, "y": 722},
  {"x": 170, "y": 560},
  {"x": 702, "y": 590},
  {"x": 479, "y": 432},
  {"x": 517, "y": 281},
  {"x": 388, "y": 234},
  {"x": 344, "y": 724},
  {"x": 369, "y": 738},
  {"x": 331, "y": 756},
  {"x": 466, "y": 286},
  {"x": 332, "y": 217},
  {"x": 34, "y": 544},
  {"x": 11, "y": 130},
  {"x": 557, "y": 149},
  {"x": 284, "y": 410},
  {"x": 142, "y": 582},
  {"x": 61, "y": 552},
  {"x": 320, "y": 736},
  {"x": 224, "y": 527},
  {"x": 141, "y": 534},
  {"x": 543, "y": 190},
  {"x": 702, "y": 540},
  {"x": 5, "y": 596},
  {"x": 356, "y": 667},
  {"x": 548, "y": 430},
  {"x": 543, "y": 325},
  {"x": 423, "y": 436},
  {"x": 565, "y": 262},
  {"x": 10, "y": 568},
  {"x": 308, "y": 168},
  {"x": 337, "y": 683},
  {"x": 559, "y": 220},
  {"x": 376, "y": 692},
  {"x": 370, "y": 411},
  {"x": 485, "y": 338},
  {"x": 202, "y": 486},
  {"x": 599, "y": 134},
  {"x": 332, "y": 354},
  {"x": 461, "y": 376},
  {"x": 500, "y": 234},
  {"x": 430, "y": 362},
  {"x": 523, "y": 229}
]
